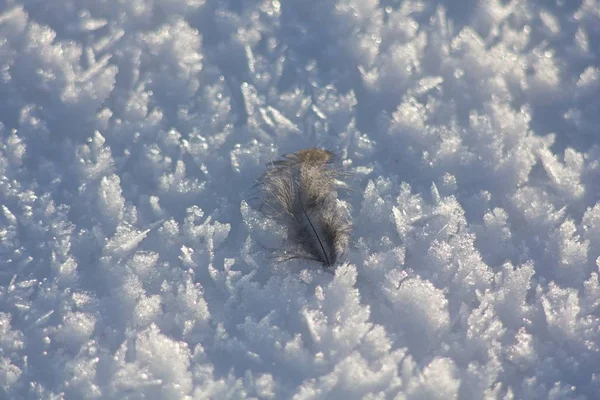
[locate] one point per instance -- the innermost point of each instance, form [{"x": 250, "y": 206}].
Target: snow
[{"x": 135, "y": 262}]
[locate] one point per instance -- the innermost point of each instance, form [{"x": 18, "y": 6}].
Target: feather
[{"x": 300, "y": 191}]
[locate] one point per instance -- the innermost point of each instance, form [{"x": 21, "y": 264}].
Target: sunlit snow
[{"x": 135, "y": 262}]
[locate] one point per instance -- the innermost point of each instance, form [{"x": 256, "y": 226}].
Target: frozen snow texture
[{"x": 134, "y": 262}]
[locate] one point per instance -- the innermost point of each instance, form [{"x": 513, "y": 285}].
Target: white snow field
[{"x": 136, "y": 264}]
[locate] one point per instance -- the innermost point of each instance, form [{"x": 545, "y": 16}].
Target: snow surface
[{"x": 134, "y": 264}]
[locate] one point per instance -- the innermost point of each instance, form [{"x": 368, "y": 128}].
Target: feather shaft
[{"x": 327, "y": 261}]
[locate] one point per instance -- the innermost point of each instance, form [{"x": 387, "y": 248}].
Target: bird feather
[{"x": 301, "y": 192}]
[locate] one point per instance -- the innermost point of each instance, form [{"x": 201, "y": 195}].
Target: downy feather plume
[{"x": 300, "y": 191}]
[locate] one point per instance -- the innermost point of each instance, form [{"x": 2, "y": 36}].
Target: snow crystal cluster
[{"x": 134, "y": 263}]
